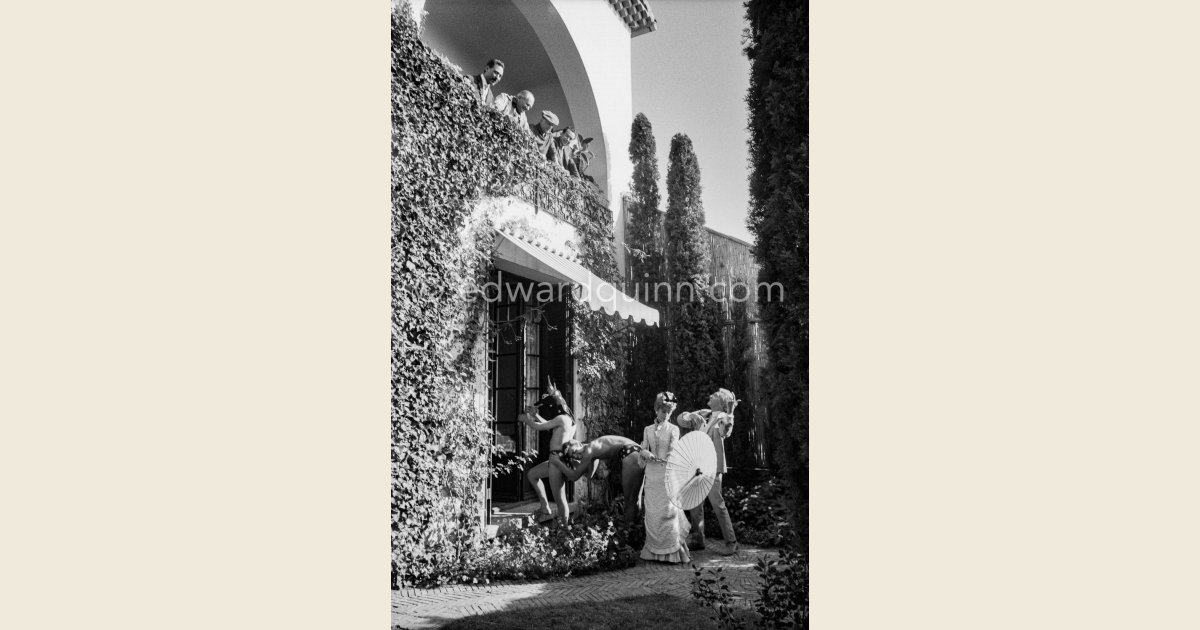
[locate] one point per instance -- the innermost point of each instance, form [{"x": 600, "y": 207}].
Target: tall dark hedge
[
  {"x": 742, "y": 444},
  {"x": 695, "y": 355},
  {"x": 647, "y": 367},
  {"x": 778, "y": 103}
]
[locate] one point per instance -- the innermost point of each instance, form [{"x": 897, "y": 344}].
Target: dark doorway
[{"x": 529, "y": 334}]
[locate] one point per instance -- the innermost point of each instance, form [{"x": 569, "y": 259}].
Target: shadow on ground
[
  {"x": 647, "y": 611},
  {"x": 651, "y": 594}
]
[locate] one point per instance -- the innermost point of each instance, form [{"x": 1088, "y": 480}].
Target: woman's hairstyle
[
  {"x": 665, "y": 401},
  {"x": 728, "y": 398}
]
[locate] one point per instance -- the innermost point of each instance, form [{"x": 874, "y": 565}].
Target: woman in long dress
[{"x": 666, "y": 525}]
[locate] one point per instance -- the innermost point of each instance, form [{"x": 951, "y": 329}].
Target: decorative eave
[{"x": 636, "y": 14}]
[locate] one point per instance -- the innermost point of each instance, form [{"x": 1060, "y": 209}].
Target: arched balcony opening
[{"x": 553, "y": 51}]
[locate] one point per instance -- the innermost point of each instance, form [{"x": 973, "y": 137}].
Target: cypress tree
[
  {"x": 743, "y": 442},
  {"x": 644, "y": 235},
  {"x": 694, "y": 349},
  {"x": 778, "y": 103},
  {"x": 687, "y": 244},
  {"x": 646, "y": 374}
]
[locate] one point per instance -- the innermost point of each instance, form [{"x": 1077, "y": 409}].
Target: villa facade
[{"x": 575, "y": 57}]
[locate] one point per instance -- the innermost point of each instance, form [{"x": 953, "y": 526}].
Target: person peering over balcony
[
  {"x": 583, "y": 159},
  {"x": 566, "y": 144},
  {"x": 483, "y": 82},
  {"x": 514, "y": 107},
  {"x": 543, "y": 134}
]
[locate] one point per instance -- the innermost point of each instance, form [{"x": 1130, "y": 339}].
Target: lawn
[{"x": 661, "y": 612}]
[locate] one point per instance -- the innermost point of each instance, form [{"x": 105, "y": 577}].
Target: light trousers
[{"x": 718, "y": 502}]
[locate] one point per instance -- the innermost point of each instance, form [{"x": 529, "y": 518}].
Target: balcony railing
[{"x": 565, "y": 197}]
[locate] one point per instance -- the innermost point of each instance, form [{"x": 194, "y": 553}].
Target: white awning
[{"x": 515, "y": 256}]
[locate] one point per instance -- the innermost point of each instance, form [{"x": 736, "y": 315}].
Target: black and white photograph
[
  {"x": 511, "y": 314},
  {"x": 600, "y": 277}
]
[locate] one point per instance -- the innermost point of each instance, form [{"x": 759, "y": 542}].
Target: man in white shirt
[
  {"x": 717, "y": 422},
  {"x": 514, "y": 108}
]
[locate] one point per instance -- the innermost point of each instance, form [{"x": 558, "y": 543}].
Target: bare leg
[
  {"x": 535, "y": 476},
  {"x": 558, "y": 488},
  {"x": 632, "y": 475}
]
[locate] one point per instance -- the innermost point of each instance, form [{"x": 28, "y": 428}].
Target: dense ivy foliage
[
  {"x": 695, "y": 354},
  {"x": 778, "y": 102},
  {"x": 647, "y": 372},
  {"x": 448, "y": 152}
]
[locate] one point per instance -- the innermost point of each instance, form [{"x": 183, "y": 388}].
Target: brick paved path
[{"x": 414, "y": 608}]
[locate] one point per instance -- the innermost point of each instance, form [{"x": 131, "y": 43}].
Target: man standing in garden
[
  {"x": 483, "y": 82},
  {"x": 717, "y": 423}
]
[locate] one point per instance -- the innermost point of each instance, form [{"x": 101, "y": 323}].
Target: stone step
[
  {"x": 511, "y": 517},
  {"x": 519, "y": 516}
]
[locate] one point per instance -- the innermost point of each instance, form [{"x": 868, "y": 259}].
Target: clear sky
[{"x": 690, "y": 76}]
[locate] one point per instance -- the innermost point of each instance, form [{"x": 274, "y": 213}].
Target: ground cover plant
[
  {"x": 782, "y": 600},
  {"x": 591, "y": 543},
  {"x": 759, "y": 511}
]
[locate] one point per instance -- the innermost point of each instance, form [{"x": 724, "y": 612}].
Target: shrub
[
  {"x": 761, "y": 517},
  {"x": 711, "y": 589},
  {"x": 783, "y": 591},
  {"x": 782, "y": 600},
  {"x": 760, "y": 513},
  {"x": 589, "y": 544}
]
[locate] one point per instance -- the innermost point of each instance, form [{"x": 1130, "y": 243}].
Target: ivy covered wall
[{"x": 448, "y": 152}]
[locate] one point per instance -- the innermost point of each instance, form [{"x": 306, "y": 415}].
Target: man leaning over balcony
[
  {"x": 491, "y": 75},
  {"x": 583, "y": 158},
  {"x": 514, "y": 107},
  {"x": 544, "y": 135},
  {"x": 566, "y": 145}
]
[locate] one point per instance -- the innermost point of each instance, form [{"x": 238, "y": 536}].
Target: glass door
[
  {"x": 528, "y": 345},
  {"x": 506, "y": 393}
]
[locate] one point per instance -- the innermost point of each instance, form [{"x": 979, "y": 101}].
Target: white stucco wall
[
  {"x": 589, "y": 46},
  {"x": 603, "y": 42}
]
